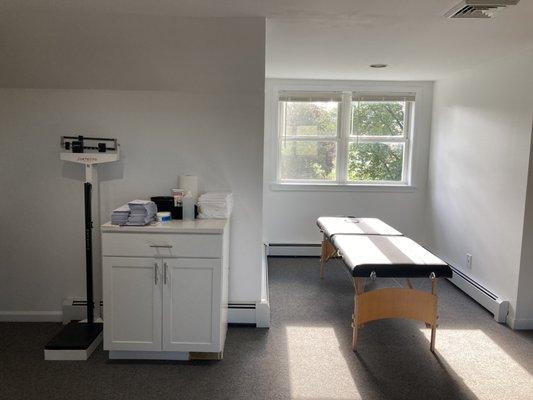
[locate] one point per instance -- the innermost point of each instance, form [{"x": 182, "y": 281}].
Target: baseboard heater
[
  {"x": 75, "y": 309},
  {"x": 238, "y": 313},
  {"x": 293, "y": 250},
  {"x": 498, "y": 307},
  {"x": 242, "y": 313}
]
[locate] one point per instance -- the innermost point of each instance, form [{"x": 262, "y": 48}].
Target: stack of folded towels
[
  {"x": 215, "y": 205},
  {"x": 142, "y": 212},
  {"x": 136, "y": 212},
  {"x": 120, "y": 215}
]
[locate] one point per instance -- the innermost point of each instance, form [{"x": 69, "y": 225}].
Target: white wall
[
  {"x": 127, "y": 52},
  {"x": 480, "y": 151},
  {"x": 290, "y": 215},
  {"x": 209, "y": 122}
]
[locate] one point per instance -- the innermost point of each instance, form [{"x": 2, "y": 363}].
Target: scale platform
[{"x": 76, "y": 341}]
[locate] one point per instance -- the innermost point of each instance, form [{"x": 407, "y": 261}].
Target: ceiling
[
  {"x": 338, "y": 39},
  {"x": 411, "y": 36}
]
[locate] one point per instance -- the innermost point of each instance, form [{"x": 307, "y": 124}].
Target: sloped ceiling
[{"x": 334, "y": 38}]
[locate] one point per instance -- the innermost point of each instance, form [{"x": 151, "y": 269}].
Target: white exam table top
[
  {"x": 332, "y": 226},
  {"x": 388, "y": 256}
]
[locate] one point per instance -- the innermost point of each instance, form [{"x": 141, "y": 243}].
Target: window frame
[{"x": 343, "y": 140}]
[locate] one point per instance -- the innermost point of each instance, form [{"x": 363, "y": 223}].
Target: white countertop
[{"x": 173, "y": 226}]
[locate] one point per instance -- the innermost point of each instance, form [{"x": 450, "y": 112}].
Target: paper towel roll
[{"x": 189, "y": 183}]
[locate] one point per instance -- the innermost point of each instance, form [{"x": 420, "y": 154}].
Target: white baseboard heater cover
[
  {"x": 75, "y": 309},
  {"x": 238, "y": 313},
  {"x": 487, "y": 299},
  {"x": 257, "y": 314},
  {"x": 241, "y": 313}
]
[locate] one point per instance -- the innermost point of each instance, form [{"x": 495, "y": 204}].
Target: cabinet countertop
[{"x": 173, "y": 226}]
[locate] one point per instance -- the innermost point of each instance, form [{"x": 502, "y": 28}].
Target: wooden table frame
[{"x": 385, "y": 303}]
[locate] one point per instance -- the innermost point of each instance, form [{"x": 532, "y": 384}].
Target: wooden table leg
[
  {"x": 328, "y": 251},
  {"x": 323, "y": 257},
  {"x": 354, "y": 331}
]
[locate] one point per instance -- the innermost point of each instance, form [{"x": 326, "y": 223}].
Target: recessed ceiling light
[{"x": 378, "y": 65}]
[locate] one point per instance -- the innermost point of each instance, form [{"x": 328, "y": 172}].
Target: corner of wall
[{"x": 524, "y": 300}]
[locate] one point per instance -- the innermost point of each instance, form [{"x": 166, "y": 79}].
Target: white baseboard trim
[{"x": 31, "y": 316}]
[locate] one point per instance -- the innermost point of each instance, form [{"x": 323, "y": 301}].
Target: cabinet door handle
[
  {"x": 165, "y": 269},
  {"x": 156, "y": 273},
  {"x": 161, "y": 246}
]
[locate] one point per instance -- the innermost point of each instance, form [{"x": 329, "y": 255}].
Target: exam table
[{"x": 372, "y": 249}]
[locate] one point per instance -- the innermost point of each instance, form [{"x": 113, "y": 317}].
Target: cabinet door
[
  {"x": 191, "y": 305},
  {"x": 132, "y": 303}
]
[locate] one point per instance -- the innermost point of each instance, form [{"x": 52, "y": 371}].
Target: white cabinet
[
  {"x": 190, "y": 294},
  {"x": 165, "y": 289},
  {"x": 133, "y": 304}
]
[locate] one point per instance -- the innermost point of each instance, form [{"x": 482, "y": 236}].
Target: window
[{"x": 344, "y": 138}]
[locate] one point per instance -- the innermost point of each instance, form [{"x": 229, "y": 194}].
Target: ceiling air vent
[{"x": 479, "y": 8}]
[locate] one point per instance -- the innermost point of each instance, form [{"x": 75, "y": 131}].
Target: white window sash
[
  {"x": 360, "y": 96},
  {"x": 342, "y": 147},
  {"x": 310, "y": 96},
  {"x": 343, "y": 139},
  {"x": 310, "y": 139}
]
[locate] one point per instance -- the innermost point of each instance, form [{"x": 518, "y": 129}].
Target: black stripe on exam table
[{"x": 401, "y": 270}]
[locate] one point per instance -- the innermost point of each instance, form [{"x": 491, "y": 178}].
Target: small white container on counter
[{"x": 164, "y": 216}]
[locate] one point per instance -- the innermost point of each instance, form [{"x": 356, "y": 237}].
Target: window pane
[
  {"x": 308, "y": 160},
  {"x": 375, "y": 161},
  {"x": 311, "y": 118},
  {"x": 378, "y": 118}
]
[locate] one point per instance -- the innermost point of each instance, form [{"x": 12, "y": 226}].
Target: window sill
[{"x": 337, "y": 187}]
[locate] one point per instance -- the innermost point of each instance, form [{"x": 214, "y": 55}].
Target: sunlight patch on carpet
[
  {"x": 477, "y": 359},
  {"x": 317, "y": 367}
]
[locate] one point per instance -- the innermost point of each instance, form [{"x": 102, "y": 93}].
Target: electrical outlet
[{"x": 468, "y": 260}]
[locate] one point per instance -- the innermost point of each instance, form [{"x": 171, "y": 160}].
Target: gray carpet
[{"x": 304, "y": 355}]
